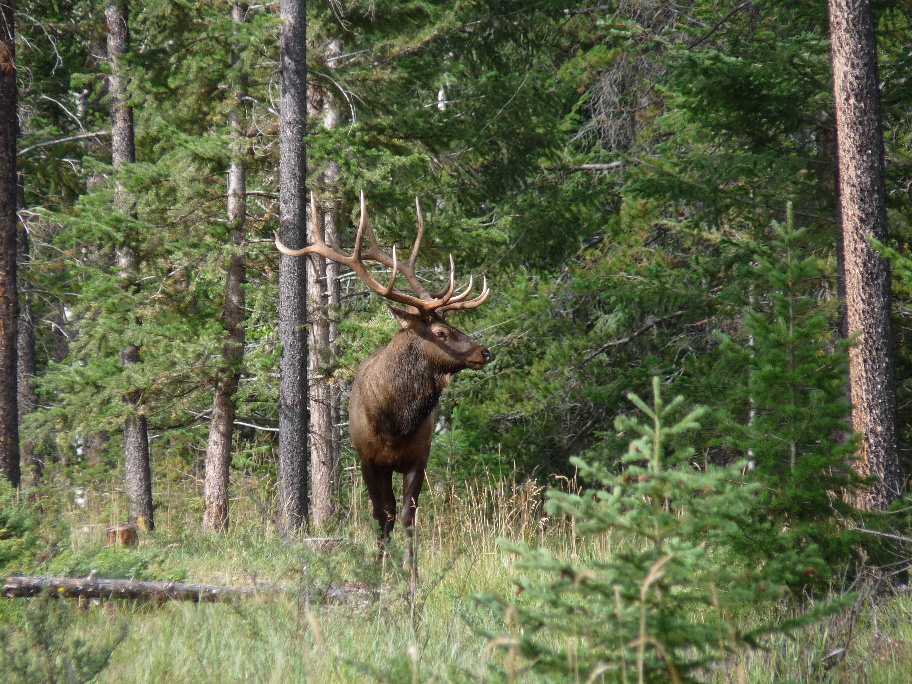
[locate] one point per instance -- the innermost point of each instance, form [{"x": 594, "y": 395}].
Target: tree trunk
[
  {"x": 137, "y": 470},
  {"x": 293, "y": 419},
  {"x": 861, "y": 182},
  {"x": 321, "y": 414},
  {"x": 102, "y": 588},
  {"x": 9, "y": 297},
  {"x": 27, "y": 363},
  {"x": 323, "y": 284},
  {"x": 224, "y": 403}
]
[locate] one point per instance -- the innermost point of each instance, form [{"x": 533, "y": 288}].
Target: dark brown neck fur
[{"x": 414, "y": 386}]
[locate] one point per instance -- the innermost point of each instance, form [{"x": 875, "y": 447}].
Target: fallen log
[{"x": 102, "y": 588}]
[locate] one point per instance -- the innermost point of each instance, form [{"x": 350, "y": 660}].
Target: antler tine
[
  {"x": 363, "y": 223},
  {"x": 315, "y": 221},
  {"x": 418, "y": 238},
  {"x": 465, "y": 293},
  {"x": 389, "y": 289},
  {"x": 450, "y": 286},
  {"x": 471, "y": 304}
]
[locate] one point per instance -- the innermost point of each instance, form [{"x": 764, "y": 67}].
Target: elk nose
[{"x": 487, "y": 355}]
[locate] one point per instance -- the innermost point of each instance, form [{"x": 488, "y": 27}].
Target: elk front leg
[
  {"x": 412, "y": 482},
  {"x": 379, "y": 485}
]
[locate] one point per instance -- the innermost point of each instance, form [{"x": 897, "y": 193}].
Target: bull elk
[{"x": 395, "y": 394}]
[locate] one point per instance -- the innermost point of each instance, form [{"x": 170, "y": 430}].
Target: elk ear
[{"x": 405, "y": 318}]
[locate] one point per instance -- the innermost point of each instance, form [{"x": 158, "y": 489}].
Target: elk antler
[{"x": 425, "y": 303}]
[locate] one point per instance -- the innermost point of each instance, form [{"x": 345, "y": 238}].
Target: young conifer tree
[
  {"x": 665, "y": 601},
  {"x": 787, "y": 407}
]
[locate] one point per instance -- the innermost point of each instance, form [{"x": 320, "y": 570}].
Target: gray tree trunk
[
  {"x": 137, "y": 470},
  {"x": 9, "y": 297},
  {"x": 224, "y": 403},
  {"x": 293, "y": 419},
  {"x": 859, "y": 137}
]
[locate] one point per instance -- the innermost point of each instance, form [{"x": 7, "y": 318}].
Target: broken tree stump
[{"x": 122, "y": 535}]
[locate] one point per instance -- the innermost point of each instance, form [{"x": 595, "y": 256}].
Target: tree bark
[
  {"x": 91, "y": 587},
  {"x": 860, "y": 145},
  {"x": 293, "y": 418},
  {"x": 137, "y": 470},
  {"x": 321, "y": 414},
  {"x": 323, "y": 290},
  {"x": 27, "y": 363},
  {"x": 9, "y": 297},
  {"x": 224, "y": 403},
  {"x": 101, "y": 588}
]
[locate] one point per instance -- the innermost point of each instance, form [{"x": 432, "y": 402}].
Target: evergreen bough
[{"x": 666, "y": 603}]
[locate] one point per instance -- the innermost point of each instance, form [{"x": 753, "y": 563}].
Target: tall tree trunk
[
  {"x": 860, "y": 145},
  {"x": 224, "y": 403},
  {"x": 321, "y": 414},
  {"x": 27, "y": 363},
  {"x": 293, "y": 419},
  {"x": 137, "y": 470},
  {"x": 323, "y": 284},
  {"x": 9, "y": 297}
]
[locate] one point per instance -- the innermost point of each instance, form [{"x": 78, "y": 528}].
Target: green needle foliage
[
  {"x": 666, "y": 603},
  {"x": 786, "y": 404}
]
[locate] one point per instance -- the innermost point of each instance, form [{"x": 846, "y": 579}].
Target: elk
[{"x": 396, "y": 390}]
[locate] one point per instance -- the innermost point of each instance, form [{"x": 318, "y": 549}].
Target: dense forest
[{"x": 660, "y": 197}]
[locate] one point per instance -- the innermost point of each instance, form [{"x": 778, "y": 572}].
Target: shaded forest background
[{"x": 649, "y": 187}]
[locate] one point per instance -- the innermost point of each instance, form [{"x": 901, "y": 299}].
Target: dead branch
[
  {"x": 630, "y": 338},
  {"x": 103, "y": 588}
]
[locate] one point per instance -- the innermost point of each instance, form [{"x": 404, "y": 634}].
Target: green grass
[{"x": 382, "y": 636}]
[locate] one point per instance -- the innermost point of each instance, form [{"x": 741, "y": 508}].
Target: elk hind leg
[{"x": 411, "y": 487}]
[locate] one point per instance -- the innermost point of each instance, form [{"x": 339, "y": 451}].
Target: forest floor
[{"x": 380, "y": 632}]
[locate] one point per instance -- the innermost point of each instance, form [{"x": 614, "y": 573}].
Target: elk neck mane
[{"x": 410, "y": 383}]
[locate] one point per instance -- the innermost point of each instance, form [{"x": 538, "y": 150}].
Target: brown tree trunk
[
  {"x": 224, "y": 403},
  {"x": 27, "y": 364},
  {"x": 323, "y": 284},
  {"x": 293, "y": 419},
  {"x": 137, "y": 470},
  {"x": 321, "y": 415},
  {"x": 864, "y": 218},
  {"x": 9, "y": 297}
]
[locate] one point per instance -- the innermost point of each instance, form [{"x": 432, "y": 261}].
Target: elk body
[{"x": 396, "y": 391}]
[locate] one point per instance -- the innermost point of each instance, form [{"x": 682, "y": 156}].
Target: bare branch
[
  {"x": 60, "y": 141},
  {"x": 632, "y": 336}
]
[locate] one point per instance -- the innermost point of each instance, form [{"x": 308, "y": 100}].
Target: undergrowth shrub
[
  {"x": 667, "y": 603},
  {"x": 20, "y": 540},
  {"x": 40, "y": 643}
]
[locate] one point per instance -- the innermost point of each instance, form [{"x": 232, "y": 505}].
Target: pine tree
[
  {"x": 293, "y": 389},
  {"x": 137, "y": 467},
  {"x": 224, "y": 403},
  {"x": 859, "y": 140},
  {"x": 667, "y": 600},
  {"x": 9, "y": 296},
  {"x": 784, "y": 403}
]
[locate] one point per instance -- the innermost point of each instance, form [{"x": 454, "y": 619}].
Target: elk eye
[{"x": 441, "y": 334}]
